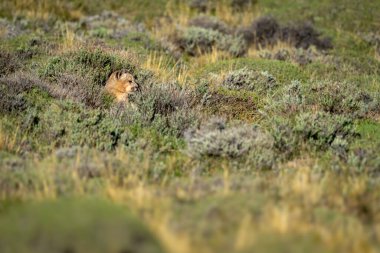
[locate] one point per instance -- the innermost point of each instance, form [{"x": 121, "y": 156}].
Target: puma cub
[{"x": 120, "y": 84}]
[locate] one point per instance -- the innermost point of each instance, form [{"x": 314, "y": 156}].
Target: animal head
[{"x": 127, "y": 81}]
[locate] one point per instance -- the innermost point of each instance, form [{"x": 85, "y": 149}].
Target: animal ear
[
  {"x": 123, "y": 76},
  {"x": 117, "y": 74}
]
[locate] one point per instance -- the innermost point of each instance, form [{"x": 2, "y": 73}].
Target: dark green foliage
[
  {"x": 286, "y": 142},
  {"x": 167, "y": 107},
  {"x": 196, "y": 40},
  {"x": 323, "y": 130},
  {"x": 72, "y": 125},
  {"x": 249, "y": 80},
  {"x": 266, "y": 31},
  {"x": 73, "y": 225}
]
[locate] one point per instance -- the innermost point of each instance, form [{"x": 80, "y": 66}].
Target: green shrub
[
  {"x": 215, "y": 139},
  {"x": 286, "y": 142},
  {"x": 73, "y": 225},
  {"x": 8, "y": 63},
  {"x": 196, "y": 40},
  {"x": 365, "y": 160},
  {"x": 93, "y": 63},
  {"x": 81, "y": 75},
  {"x": 332, "y": 97},
  {"x": 249, "y": 80},
  {"x": 324, "y": 130},
  {"x": 15, "y": 90},
  {"x": 342, "y": 98},
  {"x": 289, "y": 99},
  {"x": 68, "y": 124},
  {"x": 166, "y": 107}
]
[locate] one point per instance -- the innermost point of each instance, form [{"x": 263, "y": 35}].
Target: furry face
[{"x": 120, "y": 84}]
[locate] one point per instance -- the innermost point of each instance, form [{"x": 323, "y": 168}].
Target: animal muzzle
[{"x": 135, "y": 88}]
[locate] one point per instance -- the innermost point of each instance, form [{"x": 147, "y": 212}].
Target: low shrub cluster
[
  {"x": 247, "y": 143},
  {"x": 365, "y": 160},
  {"x": 210, "y": 23},
  {"x": 297, "y": 55},
  {"x": 197, "y": 40},
  {"x": 81, "y": 75},
  {"x": 167, "y": 107},
  {"x": 96, "y": 64},
  {"x": 342, "y": 98},
  {"x": 14, "y": 91},
  {"x": 324, "y": 130},
  {"x": 266, "y": 31},
  {"x": 8, "y": 63},
  {"x": 249, "y": 80}
]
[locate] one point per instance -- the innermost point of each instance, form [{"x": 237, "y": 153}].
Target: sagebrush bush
[
  {"x": 365, "y": 160},
  {"x": 215, "y": 139},
  {"x": 67, "y": 124},
  {"x": 249, "y": 80},
  {"x": 80, "y": 76},
  {"x": 324, "y": 130},
  {"x": 342, "y": 98},
  {"x": 210, "y": 23},
  {"x": 266, "y": 31},
  {"x": 304, "y": 35},
  {"x": 14, "y": 90},
  {"x": 289, "y": 99},
  {"x": 167, "y": 107},
  {"x": 8, "y": 63},
  {"x": 286, "y": 141},
  {"x": 197, "y": 40},
  {"x": 297, "y": 55},
  {"x": 78, "y": 89},
  {"x": 96, "y": 64}
]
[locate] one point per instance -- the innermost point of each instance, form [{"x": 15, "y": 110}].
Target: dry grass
[
  {"x": 164, "y": 68},
  {"x": 41, "y": 9},
  {"x": 9, "y": 142},
  {"x": 300, "y": 191},
  {"x": 255, "y": 52}
]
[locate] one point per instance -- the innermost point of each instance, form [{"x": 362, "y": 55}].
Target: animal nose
[{"x": 134, "y": 88}]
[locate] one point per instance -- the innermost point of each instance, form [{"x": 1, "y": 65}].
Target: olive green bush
[
  {"x": 247, "y": 79},
  {"x": 197, "y": 40}
]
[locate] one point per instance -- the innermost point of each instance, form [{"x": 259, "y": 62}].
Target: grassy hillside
[{"x": 257, "y": 127}]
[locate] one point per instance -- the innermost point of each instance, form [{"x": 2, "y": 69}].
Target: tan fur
[{"x": 120, "y": 84}]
